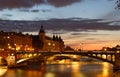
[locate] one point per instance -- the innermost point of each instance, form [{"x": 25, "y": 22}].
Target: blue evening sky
[
  {"x": 91, "y": 9},
  {"x": 93, "y": 35}
]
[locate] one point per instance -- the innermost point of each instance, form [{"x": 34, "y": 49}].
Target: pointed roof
[
  {"x": 53, "y": 38},
  {"x": 56, "y": 38},
  {"x": 60, "y": 38},
  {"x": 42, "y": 29}
]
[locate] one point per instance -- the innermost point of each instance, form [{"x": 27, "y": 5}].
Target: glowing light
[
  {"x": 22, "y": 60},
  {"x": 105, "y": 69},
  {"x": 75, "y": 70},
  {"x": 118, "y": 51},
  {"x": 35, "y": 54},
  {"x": 30, "y": 55},
  {"x": 49, "y": 75},
  {"x": 15, "y": 44},
  {"x": 9, "y": 47},
  {"x": 8, "y": 44},
  {"x": 2, "y": 70},
  {"x": 49, "y": 44},
  {"x": 8, "y": 37},
  {"x": 104, "y": 56},
  {"x": 17, "y": 47},
  {"x": 12, "y": 54},
  {"x": 53, "y": 44},
  {"x": 74, "y": 56}
]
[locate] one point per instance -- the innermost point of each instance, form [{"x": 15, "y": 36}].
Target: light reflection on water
[
  {"x": 3, "y": 70},
  {"x": 82, "y": 69},
  {"x": 61, "y": 69}
]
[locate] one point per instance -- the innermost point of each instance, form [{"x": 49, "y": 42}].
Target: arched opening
[
  {"x": 99, "y": 55},
  {"x": 59, "y": 59},
  {"x": 103, "y": 56},
  {"x": 3, "y": 61},
  {"x": 113, "y": 58},
  {"x": 109, "y": 57}
]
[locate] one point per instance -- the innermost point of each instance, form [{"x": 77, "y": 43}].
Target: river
[{"x": 62, "y": 68}]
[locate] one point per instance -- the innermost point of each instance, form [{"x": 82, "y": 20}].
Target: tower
[{"x": 42, "y": 34}]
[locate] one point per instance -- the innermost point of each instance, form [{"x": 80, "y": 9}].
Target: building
[
  {"x": 25, "y": 42},
  {"x": 15, "y": 41},
  {"x": 42, "y": 42},
  {"x": 115, "y": 48}
]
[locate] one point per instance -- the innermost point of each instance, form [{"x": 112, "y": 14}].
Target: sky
[
  {"x": 90, "y": 24},
  {"x": 47, "y": 9}
]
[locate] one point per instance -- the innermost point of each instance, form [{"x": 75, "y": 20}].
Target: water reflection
[
  {"x": 62, "y": 68},
  {"x": 105, "y": 67},
  {"x": 75, "y": 70},
  {"x": 116, "y": 74},
  {"x": 28, "y": 71},
  {"x": 82, "y": 69},
  {"x": 3, "y": 70}
]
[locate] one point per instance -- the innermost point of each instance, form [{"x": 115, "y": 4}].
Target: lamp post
[{"x": 81, "y": 47}]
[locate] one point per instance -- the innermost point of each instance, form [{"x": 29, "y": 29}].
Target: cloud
[
  {"x": 8, "y": 15},
  {"x": 59, "y": 3},
  {"x": 69, "y": 25},
  {"x": 90, "y": 38},
  {"x": 24, "y": 10},
  {"x": 58, "y": 26},
  {"x": 10, "y": 4},
  {"x": 75, "y": 33},
  {"x": 18, "y": 3},
  {"x": 113, "y": 15},
  {"x": 35, "y": 10}
]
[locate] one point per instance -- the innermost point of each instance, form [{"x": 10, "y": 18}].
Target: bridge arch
[
  {"x": 58, "y": 56},
  {"x": 3, "y": 61},
  {"x": 3, "y": 58}
]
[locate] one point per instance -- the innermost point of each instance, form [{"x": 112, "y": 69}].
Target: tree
[
  {"x": 118, "y": 4},
  {"x": 68, "y": 48}
]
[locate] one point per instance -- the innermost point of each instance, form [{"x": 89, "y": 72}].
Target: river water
[{"x": 62, "y": 68}]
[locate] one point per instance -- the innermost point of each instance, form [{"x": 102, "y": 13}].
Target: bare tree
[{"x": 118, "y": 4}]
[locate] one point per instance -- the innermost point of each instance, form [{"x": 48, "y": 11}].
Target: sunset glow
[{"x": 81, "y": 23}]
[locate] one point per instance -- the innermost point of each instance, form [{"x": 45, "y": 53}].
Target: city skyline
[{"x": 91, "y": 25}]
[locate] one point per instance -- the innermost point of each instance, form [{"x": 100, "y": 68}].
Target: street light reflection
[
  {"x": 49, "y": 74},
  {"x": 3, "y": 70},
  {"x": 75, "y": 70},
  {"x": 105, "y": 68}
]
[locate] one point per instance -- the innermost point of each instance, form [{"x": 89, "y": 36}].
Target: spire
[
  {"x": 53, "y": 38},
  {"x": 56, "y": 38},
  {"x": 41, "y": 29},
  {"x": 60, "y": 38},
  {"x": 42, "y": 34}
]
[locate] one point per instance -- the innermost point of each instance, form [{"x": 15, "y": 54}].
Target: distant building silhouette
[
  {"x": 44, "y": 43},
  {"x": 24, "y": 42},
  {"x": 115, "y": 48}
]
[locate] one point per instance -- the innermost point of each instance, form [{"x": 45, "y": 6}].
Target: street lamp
[{"x": 81, "y": 47}]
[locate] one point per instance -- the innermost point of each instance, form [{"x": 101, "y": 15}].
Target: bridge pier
[
  {"x": 117, "y": 62},
  {"x": 11, "y": 60}
]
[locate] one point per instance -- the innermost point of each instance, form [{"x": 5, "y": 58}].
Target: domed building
[{"x": 42, "y": 42}]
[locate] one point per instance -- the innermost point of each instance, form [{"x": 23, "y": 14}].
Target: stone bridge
[
  {"x": 14, "y": 58},
  {"x": 107, "y": 57}
]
